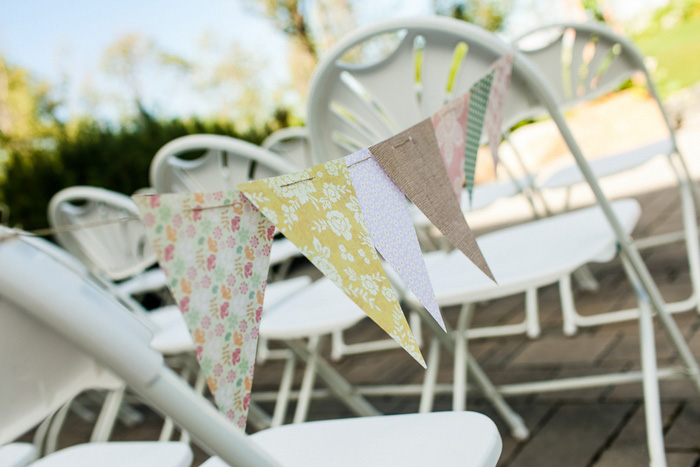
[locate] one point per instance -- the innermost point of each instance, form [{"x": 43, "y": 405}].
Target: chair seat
[
  {"x": 609, "y": 165},
  {"x": 319, "y": 309},
  {"x": 174, "y": 337},
  {"x": 438, "y": 438},
  {"x": 530, "y": 255},
  {"x": 147, "y": 281},
  {"x": 132, "y": 454},
  {"x": 17, "y": 454}
]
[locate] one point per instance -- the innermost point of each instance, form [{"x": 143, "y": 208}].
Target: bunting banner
[
  {"x": 390, "y": 225},
  {"x": 497, "y": 100},
  {"x": 318, "y": 210},
  {"x": 412, "y": 159},
  {"x": 478, "y": 102},
  {"x": 214, "y": 249},
  {"x": 450, "y": 126}
]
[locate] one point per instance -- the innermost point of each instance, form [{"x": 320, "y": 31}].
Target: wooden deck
[{"x": 593, "y": 427}]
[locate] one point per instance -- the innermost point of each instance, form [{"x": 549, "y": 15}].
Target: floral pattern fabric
[
  {"x": 494, "y": 112},
  {"x": 450, "y": 125},
  {"x": 390, "y": 224},
  {"x": 214, "y": 249},
  {"x": 318, "y": 210}
]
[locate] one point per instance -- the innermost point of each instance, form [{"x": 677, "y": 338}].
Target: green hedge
[{"x": 117, "y": 158}]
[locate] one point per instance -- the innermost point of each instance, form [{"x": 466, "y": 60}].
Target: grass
[{"x": 677, "y": 52}]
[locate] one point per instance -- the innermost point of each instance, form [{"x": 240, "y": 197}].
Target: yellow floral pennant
[{"x": 318, "y": 210}]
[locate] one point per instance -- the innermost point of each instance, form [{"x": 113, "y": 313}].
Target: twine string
[
  {"x": 357, "y": 162},
  {"x": 47, "y": 231},
  {"x": 298, "y": 181}
]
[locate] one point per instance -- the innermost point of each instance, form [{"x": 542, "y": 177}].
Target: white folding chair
[
  {"x": 75, "y": 329},
  {"x": 42, "y": 371},
  {"x": 350, "y": 101},
  {"x": 215, "y": 162},
  {"x": 580, "y": 63},
  {"x": 291, "y": 143},
  {"x": 116, "y": 251}
]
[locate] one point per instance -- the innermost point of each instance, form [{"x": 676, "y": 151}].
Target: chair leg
[
  {"x": 307, "y": 383},
  {"x": 692, "y": 242},
  {"x": 335, "y": 382},
  {"x": 687, "y": 175},
  {"x": 108, "y": 416},
  {"x": 650, "y": 381},
  {"x": 337, "y": 346},
  {"x": 55, "y": 428},
  {"x": 263, "y": 351},
  {"x": 258, "y": 418},
  {"x": 513, "y": 420},
  {"x": 459, "y": 393},
  {"x": 284, "y": 392},
  {"x": 568, "y": 309},
  {"x": 447, "y": 340},
  {"x": 416, "y": 328},
  {"x": 585, "y": 279},
  {"x": 427, "y": 396},
  {"x": 532, "y": 314},
  {"x": 648, "y": 291}
]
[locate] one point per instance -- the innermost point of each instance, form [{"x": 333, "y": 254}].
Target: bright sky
[{"x": 55, "y": 39}]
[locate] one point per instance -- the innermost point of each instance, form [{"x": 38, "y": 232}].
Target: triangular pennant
[
  {"x": 475, "y": 121},
  {"x": 318, "y": 210},
  {"x": 214, "y": 249},
  {"x": 412, "y": 160},
  {"x": 497, "y": 100},
  {"x": 389, "y": 221},
  {"x": 450, "y": 125}
]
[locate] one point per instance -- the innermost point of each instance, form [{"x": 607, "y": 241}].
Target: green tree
[{"x": 27, "y": 117}]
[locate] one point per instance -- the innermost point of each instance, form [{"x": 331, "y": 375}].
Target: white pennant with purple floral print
[{"x": 389, "y": 222}]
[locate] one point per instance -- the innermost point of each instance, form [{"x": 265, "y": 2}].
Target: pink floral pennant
[
  {"x": 214, "y": 249},
  {"x": 494, "y": 111},
  {"x": 450, "y": 125}
]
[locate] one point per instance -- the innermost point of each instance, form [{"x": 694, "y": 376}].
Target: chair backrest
[
  {"x": 225, "y": 162},
  {"x": 352, "y": 106},
  {"x": 47, "y": 300},
  {"x": 117, "y": 250},
  {"x": 581, "y": 61},
  {"x": 291, "y": 143}
]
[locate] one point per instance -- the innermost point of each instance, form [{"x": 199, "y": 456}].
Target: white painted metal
[
  {"x": 441, "y": 438},
  {"x": 529, "y": 90},
  {"x": 291, "y": 143},
  {"x": 579, "y": 63}
]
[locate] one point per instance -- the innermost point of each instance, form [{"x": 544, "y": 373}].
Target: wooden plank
[{"x": 572, "y": 436}]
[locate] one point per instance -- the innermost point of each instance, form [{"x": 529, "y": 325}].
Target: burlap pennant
[
  {"x": 450, "y": 126},
  {"x": 412, "y": 159},
  {"x": 497, "y": 100},
  {"x": 214, "y": 249},
  {"x": 389, "y": 221},
  {"x": 318, "y": 210}
]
